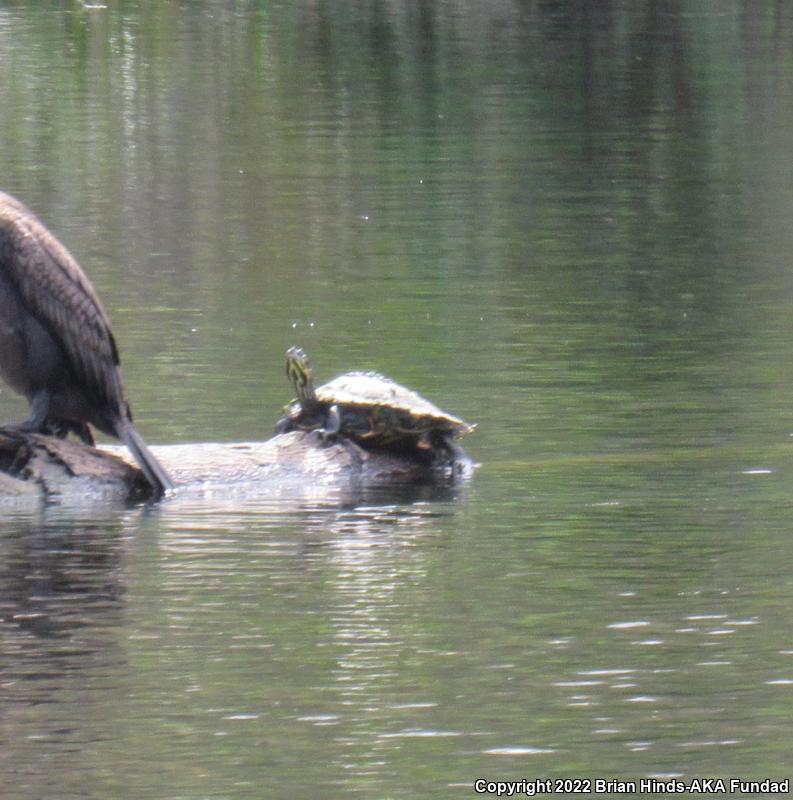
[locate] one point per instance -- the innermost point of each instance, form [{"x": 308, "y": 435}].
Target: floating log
[{"x": 41, "y": 468}]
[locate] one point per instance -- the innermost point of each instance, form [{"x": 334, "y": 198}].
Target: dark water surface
[{"x": 568, "y": 223}]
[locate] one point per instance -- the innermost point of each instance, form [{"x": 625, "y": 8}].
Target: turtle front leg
[
  {"x": 284, "y": 425},
  {"x": 326, "y": 428},
  {"x": 331, "y": 434},
  {"x": 333, "y": 422}
]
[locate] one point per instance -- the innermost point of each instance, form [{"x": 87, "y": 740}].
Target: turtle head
[{"x": 298, "y": 370}]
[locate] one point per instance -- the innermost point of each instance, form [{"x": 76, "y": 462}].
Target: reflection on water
[
  {"x": 341, "y": 647},
  {"x": 61, "y": 603},
  {"x": 571, "y": 228}
]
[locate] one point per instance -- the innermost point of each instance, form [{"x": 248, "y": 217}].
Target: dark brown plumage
[{"x": 56, "y": 343}]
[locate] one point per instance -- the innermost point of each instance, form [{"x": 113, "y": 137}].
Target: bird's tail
[{"x": 154, "y": 471}]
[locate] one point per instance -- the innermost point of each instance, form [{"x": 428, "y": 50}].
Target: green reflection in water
[{"x": 569, "y": 226}]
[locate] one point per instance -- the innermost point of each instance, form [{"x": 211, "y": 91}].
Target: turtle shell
[{"x": 390, "y": 405}]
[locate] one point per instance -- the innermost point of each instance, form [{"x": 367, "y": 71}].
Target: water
[{"x": 570, "y": 227}]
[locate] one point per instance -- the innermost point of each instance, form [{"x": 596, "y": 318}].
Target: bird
[{"x": 56, "y": 344}]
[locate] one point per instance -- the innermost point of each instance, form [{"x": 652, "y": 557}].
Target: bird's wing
[{"x": 55, "y": 290}]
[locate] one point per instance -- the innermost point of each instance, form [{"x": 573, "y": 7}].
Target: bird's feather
[{"x": 56, "y": 291}]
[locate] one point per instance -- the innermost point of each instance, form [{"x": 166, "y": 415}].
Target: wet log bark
[{"x": 42, "y": 468}]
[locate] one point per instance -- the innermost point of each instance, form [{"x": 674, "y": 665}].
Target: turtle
[{"x": 373, "y": 411}]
